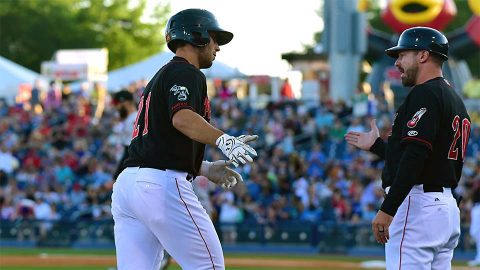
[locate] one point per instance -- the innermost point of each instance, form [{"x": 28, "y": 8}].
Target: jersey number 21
[{"x": 136, "y": 126}]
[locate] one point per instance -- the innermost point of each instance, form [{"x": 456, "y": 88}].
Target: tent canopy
[
  {"x": 12, "y": 75},
  {"x": 147, "y": 68}
]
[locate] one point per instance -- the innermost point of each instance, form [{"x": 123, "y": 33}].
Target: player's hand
[
  {"x": 380, "y": 225},
  {"x": 363, "y": 140},
  {"x": 236, "y": 149},
  {"x": 247, "y": 138},
  {"x": 219, "y": 173}
]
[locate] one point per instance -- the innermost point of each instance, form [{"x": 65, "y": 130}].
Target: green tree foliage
[{"x": 32, "y": 30}]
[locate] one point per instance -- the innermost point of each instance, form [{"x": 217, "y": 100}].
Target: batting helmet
[
  {"x": 421, "y": 38},
  {"x": 192, "y": 26}
]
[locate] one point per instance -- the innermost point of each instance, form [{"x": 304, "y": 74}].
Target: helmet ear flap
[{"x": 200, "y": 39}]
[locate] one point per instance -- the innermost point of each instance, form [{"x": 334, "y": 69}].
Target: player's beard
[
  {"x": 410, "y": 77},
  {"x": 205, "y": 58}
]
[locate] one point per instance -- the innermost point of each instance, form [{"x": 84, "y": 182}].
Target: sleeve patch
[
  {"x": 180, "y": 91},
  {"x": 412, "y": 133},
  {"x": 416, "y": 118}
]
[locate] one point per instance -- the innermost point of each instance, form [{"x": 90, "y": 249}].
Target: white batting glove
[
  {"x": 247, "y": 138},
  {"x": 236, "y": 149},
  {"x": 219, "y": 173}
]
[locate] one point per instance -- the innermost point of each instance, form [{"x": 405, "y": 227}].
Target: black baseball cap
[{"x": 122, "y": 96}]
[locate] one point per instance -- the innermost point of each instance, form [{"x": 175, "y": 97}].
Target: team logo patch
[
  {"x": 412, "y": 133},
  {"x": 416, "y": 117},
  {"x": 181, "y": 91}
]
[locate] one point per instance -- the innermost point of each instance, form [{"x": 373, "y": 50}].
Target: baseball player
[
  {"x": 153, "y": 203},
  {"x": 419, "y": 220},
  {"x": 127, "y": 110}
]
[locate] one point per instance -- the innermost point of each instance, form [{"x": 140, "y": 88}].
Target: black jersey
[
  {"x": 434, "y": 116},
  {"x": 156, "y": 143}
]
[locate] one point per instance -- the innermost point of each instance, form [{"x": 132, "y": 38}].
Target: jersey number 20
[
  {"x": 136, "y": 126},
  {"x": 463, "y": 132}
]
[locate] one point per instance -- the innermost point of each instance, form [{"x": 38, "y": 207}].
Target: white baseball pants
[
  {"x": 155, "y": 210},
  {"x": 424, "y": 232}
]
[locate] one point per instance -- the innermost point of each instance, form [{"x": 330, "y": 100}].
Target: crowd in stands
[{"x": 56, "y": 163}]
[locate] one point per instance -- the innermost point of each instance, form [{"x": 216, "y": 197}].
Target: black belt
[
  {"x": 190, "y": 177},
  {"x": 427, "y": 188}
]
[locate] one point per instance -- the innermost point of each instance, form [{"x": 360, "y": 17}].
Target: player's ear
[{"x": 423, "y": 56}]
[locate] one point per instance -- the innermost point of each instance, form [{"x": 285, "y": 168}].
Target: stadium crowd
[{"x": 57, "y": 161}]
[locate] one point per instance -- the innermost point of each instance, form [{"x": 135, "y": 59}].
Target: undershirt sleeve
[
  {"x": 378, "y": 148},
  {"x": 409, "y": 170}
]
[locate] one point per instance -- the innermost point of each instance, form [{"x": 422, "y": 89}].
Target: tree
[{"x": 31, "y": 31}]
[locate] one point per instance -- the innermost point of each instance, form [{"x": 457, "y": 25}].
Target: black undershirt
[{"x": 409, "y": 169}]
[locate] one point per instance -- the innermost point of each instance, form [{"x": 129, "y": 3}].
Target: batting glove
[
  {"x": 247, "y": 138},
  {"x": 219, "y": 173},
  {"x": 237, "y": 151}
]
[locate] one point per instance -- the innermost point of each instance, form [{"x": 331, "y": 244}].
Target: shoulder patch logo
[
  {"x": 416, "y": 117},
  {"x": 181, "y": 91},
  {"x": 412, "y": 133}
]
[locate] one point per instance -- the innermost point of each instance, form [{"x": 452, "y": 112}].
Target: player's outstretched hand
[
  {"x": 219, "y": 173},
  {"x": 237, "y": 151},
  {"x": 363, "y": 140}
]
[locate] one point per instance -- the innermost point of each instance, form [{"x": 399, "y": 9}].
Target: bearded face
[
  {"x": 207, "y": 54},
  {"x": 408, "y": 67},
  {"x": 409, "y": 78}
]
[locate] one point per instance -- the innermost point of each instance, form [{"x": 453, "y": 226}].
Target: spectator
[
  {"x": 286, "y": 91},
  {"x": 8, "y": 162}
]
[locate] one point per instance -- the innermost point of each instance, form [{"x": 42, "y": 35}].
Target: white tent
[
  {"x": 12, "y": 75},
  {"x": 146, "y": 69}
]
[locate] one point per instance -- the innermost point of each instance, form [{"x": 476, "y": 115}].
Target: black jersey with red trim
[
  {"x": 432, "y": 115},
  {"x": 156, "y": 143}
]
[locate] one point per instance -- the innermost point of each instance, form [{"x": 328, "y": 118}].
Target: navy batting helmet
[
  {"x": 421, "y": 38},
  {"x": 192, "y": 26}
]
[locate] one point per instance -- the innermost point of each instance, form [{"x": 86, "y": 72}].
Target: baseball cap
[{"x": 121, "y": 96}]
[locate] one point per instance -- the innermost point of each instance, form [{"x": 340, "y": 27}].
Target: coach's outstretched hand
[
  {"x": 219, "y": 173},
  {"x": 363, "y": 140},
  {"x": 236, "y": 149}
]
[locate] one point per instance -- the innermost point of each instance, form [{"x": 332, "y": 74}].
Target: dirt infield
[
  {"x": 45, "y": 260},
  {"x": 77, "y": 260}
]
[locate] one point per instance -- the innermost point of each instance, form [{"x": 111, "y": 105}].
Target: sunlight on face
[
  {"x": 208, "y": 53},
  {"x": 407, "y": 65}
]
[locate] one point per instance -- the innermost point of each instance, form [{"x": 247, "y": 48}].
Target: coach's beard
[{"x": 410, "y": 77}]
